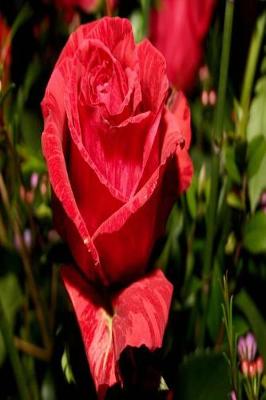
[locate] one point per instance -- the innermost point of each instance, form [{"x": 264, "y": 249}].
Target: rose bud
[
  {"x": 117, "y": 158},
  {"x": 177, "y": 29},
  {"x": 259, "y": 365}
]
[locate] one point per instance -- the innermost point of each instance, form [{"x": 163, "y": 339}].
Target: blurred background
[{"x": 40, "y": 342}]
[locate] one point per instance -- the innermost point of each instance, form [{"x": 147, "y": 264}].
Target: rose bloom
[
  {"x": 116, "y": 148},
  {"x": 177, "y": 29},
  {"x": 116, "y": 154}
]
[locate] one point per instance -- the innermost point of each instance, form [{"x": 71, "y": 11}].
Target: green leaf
[
  {"x": 257, "y": 120},
  {"x": 191, "y": 198},
  {"x": 31, "y": 130},
  {"x": 255, "y": 233},
  {"x": 249, "y": 309},
  {"x": 136, "y": 21},
  {"x": 235, "y": 201},
  {"x": 203, "y": 376},
  {"x": 256, "y": 169},
  {"x": 66, "y": 367},
  {"x": 214, "y": 316},
  {"x": 11, "y": 298},
  {"x": 231, "y": 166}
]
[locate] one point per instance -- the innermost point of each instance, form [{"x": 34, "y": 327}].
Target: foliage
[{"x": 216, "y": 229}]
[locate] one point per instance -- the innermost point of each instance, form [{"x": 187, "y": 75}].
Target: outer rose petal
[
  {"x": 140, "y": 314},
  {"x": 180, "y": 116},
  {"x": 177, "y": 29}
]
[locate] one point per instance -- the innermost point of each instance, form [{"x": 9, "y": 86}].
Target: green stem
[
  {"x": 145, "y": 5},
  {"x": 215, "y": 161},
  {"x": 13, "y": 356},
  {"x": 250, "y": 71},
  {"x": 226, "y": 46}
]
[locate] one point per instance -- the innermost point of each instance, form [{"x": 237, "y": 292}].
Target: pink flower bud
[
  {"x": 260, "y": 365},
  {"x": 233, "y": 395},
  {"x": 34, "y": 179},
  {"x": 247, "y": 347},
  {"x": 252, "y": 369},
  {"x": 245, "y": 367},
  {"x": 251, "y": 346}
]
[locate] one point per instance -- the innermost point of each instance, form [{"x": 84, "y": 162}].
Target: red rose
[
  {"x": 177, "y": 29},
  {"x": 84, "y": 5},
  {"x": 117, "y": 157},
  {"x": 113, "y": 149}
]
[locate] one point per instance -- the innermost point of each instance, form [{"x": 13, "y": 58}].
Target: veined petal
[{"x": 140, "y": 314}]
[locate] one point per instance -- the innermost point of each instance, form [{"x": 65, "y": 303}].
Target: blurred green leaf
[
  {"x": 191, "y": 198},
  {"x": 257, "y": 324},
  {"x": 31, "y": 130},
  {"x": 31, "y": 162},
  {"x": 203, "y": 377},
  {"x": 257, "y": 120},
  {"x": 24, "y": 14},
  {"x": 11, "y": 298},
  {"x": 231, "y": 166},
  {"x": 214, "y": 316},
  {"x": 47, "y": 389},
  {"x": 136, "y": 21},
  {"x": 255, "y": 233},
  {"x": 66, "y": 367},
  {"x": 43, "y": 211},
  {"x": 174, "y": 227},
  {"x": 256, "y": 169},
  {"x": 234, "y": 200}
]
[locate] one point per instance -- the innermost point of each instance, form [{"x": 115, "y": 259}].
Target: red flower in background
[
  {"x": 117, "y": 157},
  {"x": 177, "y": 29},
  {"x": 84, "y": 5},
  {"x": 5, "y": 52}
]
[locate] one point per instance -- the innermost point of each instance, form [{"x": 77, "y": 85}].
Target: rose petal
[
  {"x": 180, "y": 111},
  {"x": 54, "y": 143},
  {"x": 140, "y": 314},
  {"x": 154, "y": 82},
  {"x": 135, "y": 227}
]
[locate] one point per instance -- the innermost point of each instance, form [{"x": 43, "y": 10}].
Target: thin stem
[
  {"x": 13, "y": 356},
  {"x": 32, "y": 350},
  {"x": 3, "y": 233},
  {"x": 27, "y": 266},
  {"x": 250, "y": 71},
  {"x": 145, "y": 4},
  {"x": 226, "y": 46},
  {"x": 227, "y": 308},
  {"x": 215, "y": 162},
  {"x": 108, "y": 8}
]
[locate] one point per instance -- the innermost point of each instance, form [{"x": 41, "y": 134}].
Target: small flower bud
[
  {"x": 252, "y": 369},
  {"x": 245, "y": 367},
  {"x": 233, "y": 395},
  {"x": 260, "y": 365},
  {"x": 251, "y": 346},
  {"x": 247, "y": 347},
  {"x": 34, "y": 179}
]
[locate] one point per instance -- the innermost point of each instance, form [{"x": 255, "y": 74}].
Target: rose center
[{"x": 99, "y": 83}]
